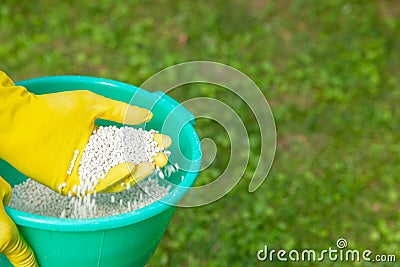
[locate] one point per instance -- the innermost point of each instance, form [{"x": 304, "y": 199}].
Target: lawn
[{"x": 329, "y": 70}]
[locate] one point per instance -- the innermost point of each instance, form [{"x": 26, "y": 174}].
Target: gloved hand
[
  {"x": 12, "y": 244},
  {"x": 40, "y": 133}
]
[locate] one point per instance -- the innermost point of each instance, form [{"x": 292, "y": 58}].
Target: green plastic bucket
[{"x": 124, "y": 240}]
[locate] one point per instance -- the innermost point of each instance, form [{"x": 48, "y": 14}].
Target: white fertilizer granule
[{"x": 33, "y": 197}]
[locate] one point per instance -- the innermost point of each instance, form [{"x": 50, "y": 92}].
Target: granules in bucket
[
  {"x": 33, "y": 197},
  {"x": 107, "y": 147}
]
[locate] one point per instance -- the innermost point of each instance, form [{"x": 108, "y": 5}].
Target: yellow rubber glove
[
  {"x": 12, "y": 244},
  {"x": 40, "y": 133}
]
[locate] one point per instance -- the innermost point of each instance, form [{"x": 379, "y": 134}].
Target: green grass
[{"x": 329, "y": 70}]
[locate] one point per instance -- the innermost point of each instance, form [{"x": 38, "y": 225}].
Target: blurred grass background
[{"x": 330, "y": 71}]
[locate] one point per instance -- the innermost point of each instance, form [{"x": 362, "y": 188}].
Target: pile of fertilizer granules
[
  {"x": 33, "y": 197},
  {"x": 107, "y": 147}
]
